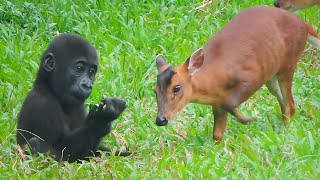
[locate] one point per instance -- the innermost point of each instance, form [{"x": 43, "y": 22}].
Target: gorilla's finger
[{"x": 120, "y": 103}]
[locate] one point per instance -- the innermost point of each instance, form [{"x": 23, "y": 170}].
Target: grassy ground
[{"x": 128, "y": 35}]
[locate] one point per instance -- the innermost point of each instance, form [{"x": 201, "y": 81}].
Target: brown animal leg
[
  {"x": 274, "y": 88},
  {"x": 285, "y": 84},
  {"x": 241, "y": 117},
  {"x": 242, "y": 93},
  {"x": 280, "y": 87},
  {"x": 220, "y": 123}
]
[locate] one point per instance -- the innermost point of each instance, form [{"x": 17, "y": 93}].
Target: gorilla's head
[{"x": 68, "y": 68}]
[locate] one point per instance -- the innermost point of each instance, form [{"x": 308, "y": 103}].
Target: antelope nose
[
  {"x": 161, "y": 121},
  {"x": 276, "y": 4}
]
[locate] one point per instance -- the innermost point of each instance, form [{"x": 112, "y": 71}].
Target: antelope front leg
[
  {"x": 239, "y": 95},
  {"x": 220, "y": 123},
  {"x": 243, "y": 119}
]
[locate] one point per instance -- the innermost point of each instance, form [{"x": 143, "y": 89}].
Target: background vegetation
[{"x": 128, "y": 35}]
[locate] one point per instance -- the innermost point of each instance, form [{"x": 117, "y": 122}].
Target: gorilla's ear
[{"x": 49, "y": 62}]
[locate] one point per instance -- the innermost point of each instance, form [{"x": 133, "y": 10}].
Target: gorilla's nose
[
  {"x": 276, "y": 4},
  {"x": 161, "y": 121},
  {"x": 86, "y": 85},
  {"x": 85, "y": 88}
]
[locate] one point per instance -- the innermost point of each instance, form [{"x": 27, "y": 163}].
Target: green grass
[{"x": 128, "y": 35}]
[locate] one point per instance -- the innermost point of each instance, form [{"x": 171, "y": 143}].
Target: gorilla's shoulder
[{"x": 39, "y": 102}]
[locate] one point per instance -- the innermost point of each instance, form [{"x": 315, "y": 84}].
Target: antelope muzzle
[{"x": 161, "y": 121}]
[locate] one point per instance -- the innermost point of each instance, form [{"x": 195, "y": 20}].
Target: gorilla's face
[
  {"x": 82, "y": 76},
  {"x": 71, "y": 63},
  {"x": 73, "y": 82}
]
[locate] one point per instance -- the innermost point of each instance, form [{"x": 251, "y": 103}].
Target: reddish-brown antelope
[
  {"x": 293, "y": 5},
  {"x": 261, "y": 45}
]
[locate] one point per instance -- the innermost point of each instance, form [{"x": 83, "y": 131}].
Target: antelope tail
[{"x": 313, "y": 37}]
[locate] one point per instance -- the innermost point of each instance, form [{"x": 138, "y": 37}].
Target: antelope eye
[{"x": 177, "y": 88}]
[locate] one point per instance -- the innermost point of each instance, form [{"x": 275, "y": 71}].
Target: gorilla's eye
[
  {"x": 92, "y": 72},
  {"x": 80, "y": 68},
  {"x": 176, "y": 89}
]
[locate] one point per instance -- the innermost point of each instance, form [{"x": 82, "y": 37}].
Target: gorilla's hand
[
  {"x": 112, "y": 108},
  {"x": 108, "y": 110}
]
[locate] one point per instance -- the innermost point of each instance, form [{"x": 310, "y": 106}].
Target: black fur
[
  {"x": 53, "y": 118},
  {"x": 164, "y": 79}
]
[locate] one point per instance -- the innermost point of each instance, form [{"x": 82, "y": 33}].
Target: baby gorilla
[{"x": 53, "y": 117}]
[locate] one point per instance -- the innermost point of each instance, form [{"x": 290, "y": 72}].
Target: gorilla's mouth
[{"x": 80, "y": 95}]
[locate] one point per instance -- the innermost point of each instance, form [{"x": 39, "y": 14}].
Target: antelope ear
[
  {"x": 161, "y": 63},
  {"x": 195, "y": 61}
]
